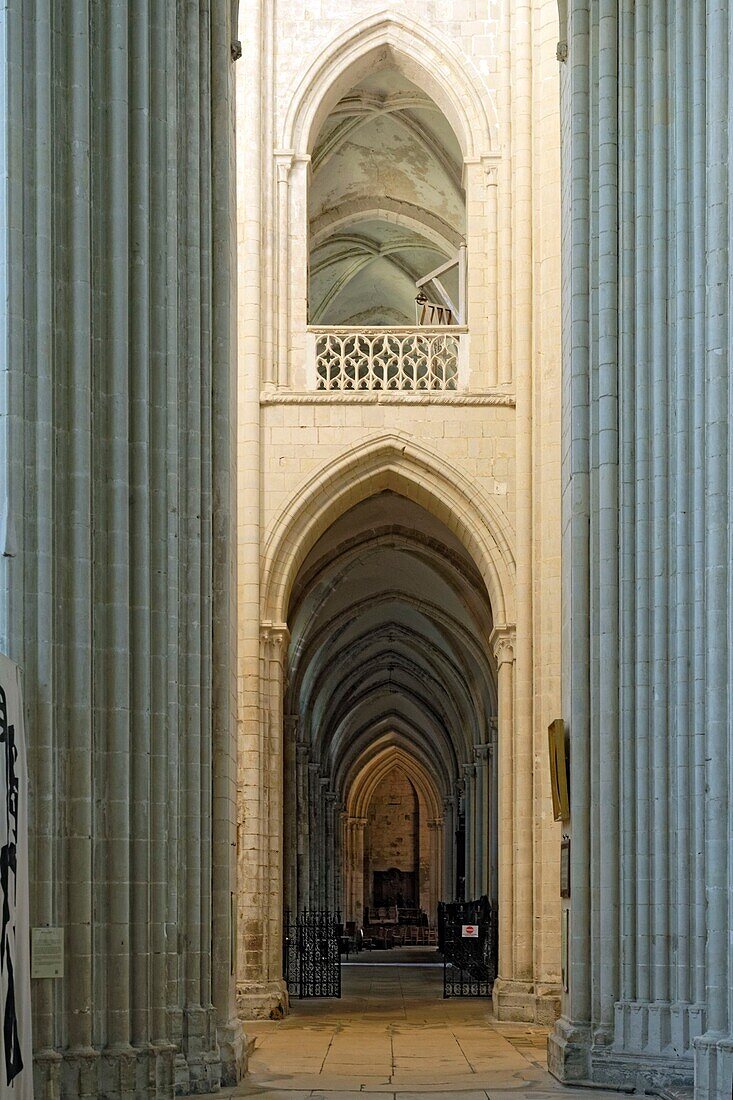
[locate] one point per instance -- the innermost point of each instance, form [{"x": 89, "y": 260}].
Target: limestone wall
[{"x": 492, "y": 69}]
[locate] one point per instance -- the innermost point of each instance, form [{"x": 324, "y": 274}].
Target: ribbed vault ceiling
[
  {"x": 389, "y": 644},
  {"x": 386, "y": 205}
]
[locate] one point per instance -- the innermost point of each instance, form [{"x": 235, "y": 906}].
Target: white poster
[{"x": 16, "y": 1058}]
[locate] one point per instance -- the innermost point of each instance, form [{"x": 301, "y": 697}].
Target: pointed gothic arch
[
  {"x": 441, "y": 70},
  {"x": 396, "y": 462}
]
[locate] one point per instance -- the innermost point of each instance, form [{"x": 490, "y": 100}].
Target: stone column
[
  {"x": 117, "y": 453},
  {"x": 646, "y": 528},
  {"x": 260, "y": 989},
  {"x": 493, "y": 819},
  {"x": 348, "y": 872},
  {"x": 323, "y": 843},
  {"x": 469, "y": 787},
  {"x": 521, "y": 105},
  {"x": 314, "y": 795},
  {"x": 290, "y": 811},
  {"x": 303, "y": 825},
  {"x": 449, "y": 877},
  {"x": 435, "y": 863},
  {"x": 481, "y": 754},
  {"x": 503, "y": 643},
  {"x": 331, "y": 800},
  {"x": 341, "y": 880},
  {"x": 359, "y": 827},
  {"x": 281, "y": 372}
]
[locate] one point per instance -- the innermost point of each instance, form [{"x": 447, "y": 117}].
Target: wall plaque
[
  {"x": 559, "y": 770},
  {"x": 47, "y": 953},
  {"x": 565, "y": 867}
]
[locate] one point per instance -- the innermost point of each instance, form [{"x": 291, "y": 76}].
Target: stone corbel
[
  {"x": 487, "y": 162},
  {"x": 481, "y": 754},
  {"x": 290, "y": 723},
  {"x": 283, "y": 164},
  {"x": 503, "y": 641},
  {"x": 490, "y": 163},
  {"x": 275, "y": 639}
]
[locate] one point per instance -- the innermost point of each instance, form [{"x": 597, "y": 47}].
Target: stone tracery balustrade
[{"x": 425, "y": 359}]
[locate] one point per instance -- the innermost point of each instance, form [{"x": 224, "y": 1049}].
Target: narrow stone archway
[{"x": 382, "y": 586}]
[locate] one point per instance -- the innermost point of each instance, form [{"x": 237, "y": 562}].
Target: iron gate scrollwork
[
  {"x": 469, "y": 960},
  {"x": 312, "y": 962}
]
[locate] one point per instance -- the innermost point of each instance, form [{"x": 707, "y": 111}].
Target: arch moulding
[
  {"x": 390, "y": 462},
  {"x": 437, "y": 67},
  {"x": 369, "y": 771}
]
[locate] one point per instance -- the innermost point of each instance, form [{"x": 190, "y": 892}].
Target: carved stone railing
[{"x": 420, "y": 359}]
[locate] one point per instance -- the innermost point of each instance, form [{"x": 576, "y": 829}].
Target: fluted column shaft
[
  {"x": 504, "y": 652},
  {"x": 119, "y": 472}
]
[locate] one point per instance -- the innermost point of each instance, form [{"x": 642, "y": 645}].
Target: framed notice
[
  {"x": 565, "y": 867},
  {"x": 47, "y": 953}
]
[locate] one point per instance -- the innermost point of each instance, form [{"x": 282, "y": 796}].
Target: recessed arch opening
[
  {"x": 386, "y": 204},
  {"x": 391, "y": 687}
]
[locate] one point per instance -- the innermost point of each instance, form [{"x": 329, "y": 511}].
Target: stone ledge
[
  {"x": 404, "y": 397},
  {"x": 262, "y": 1000},
  {"x": 526, "y": 1002}
]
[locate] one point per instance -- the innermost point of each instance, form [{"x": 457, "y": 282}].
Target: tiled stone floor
[{"x": 393, "y": 1037}]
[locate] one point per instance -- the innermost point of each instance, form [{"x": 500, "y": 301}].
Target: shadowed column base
[
  {"x": 527, "y": 1002},
  {"x": 262, "y": 1000}
]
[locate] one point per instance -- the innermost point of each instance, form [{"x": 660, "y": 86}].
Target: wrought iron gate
[
  {"x": 312, "y": 962},
  {"x": 468, "y": 940}
]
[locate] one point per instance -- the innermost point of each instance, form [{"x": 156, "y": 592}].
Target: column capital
[
  {"x": 469, "y": 771},
  {"x": 283, "y": 163},
  {"x": 503, "y": 641},
  {"x": 302, "y": 749},
  {"x": 490, "y": 162},
  {"x": 481, "y": 754},
  {"x": 436, "y": 824},
  {"x": 276, "y": 635}
]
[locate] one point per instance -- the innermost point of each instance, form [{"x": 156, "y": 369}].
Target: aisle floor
[{"x": 393, "y": 1036}]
